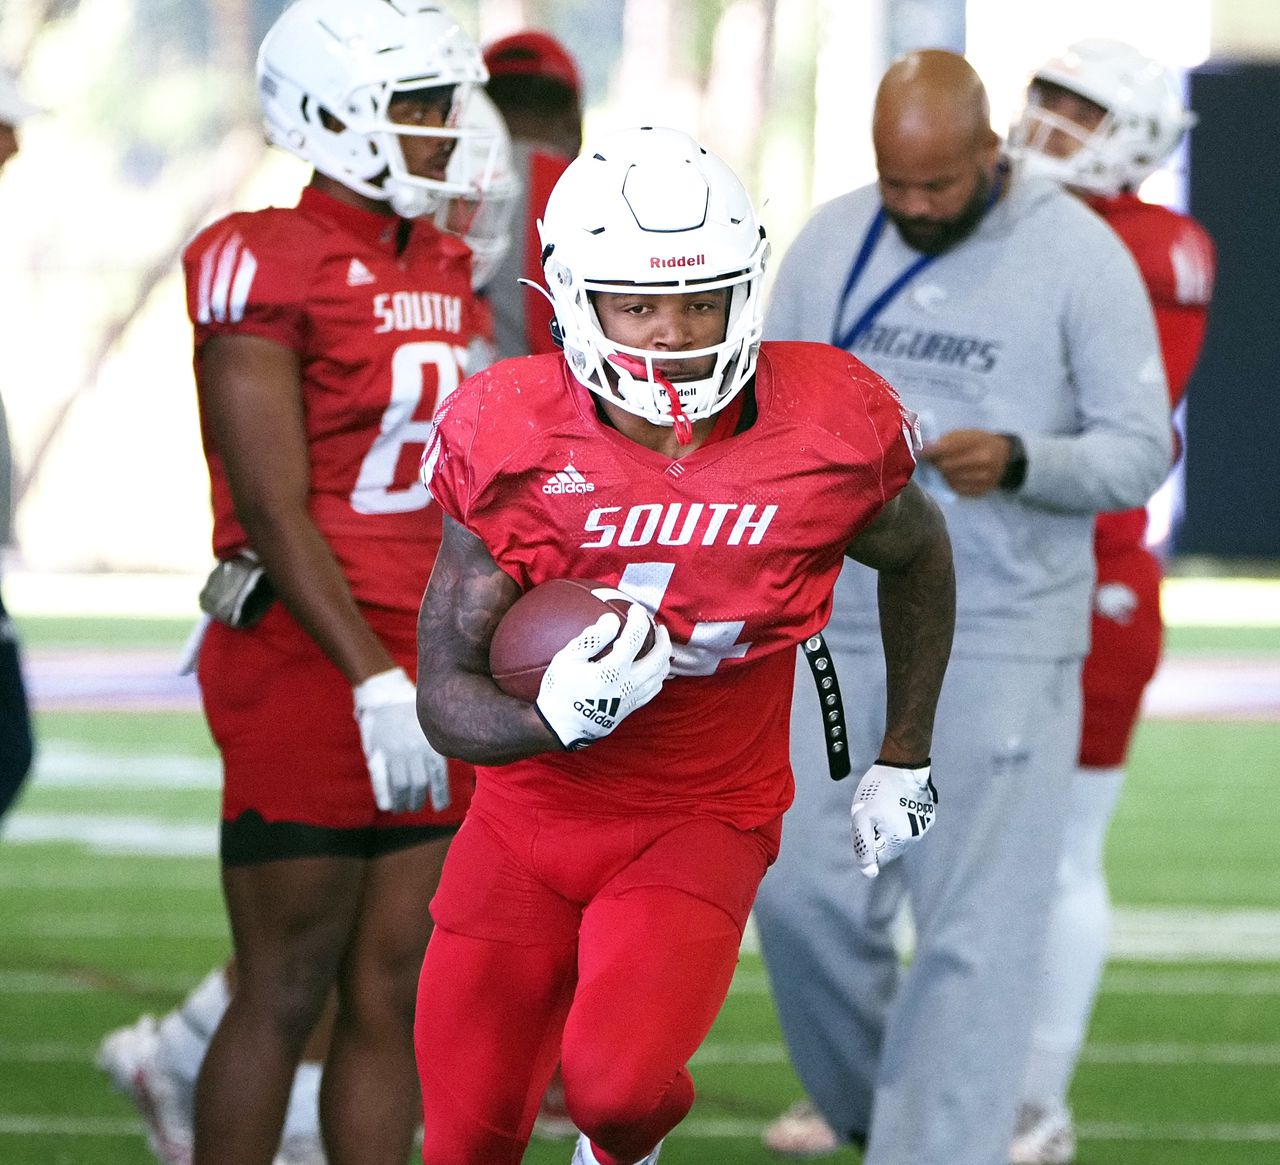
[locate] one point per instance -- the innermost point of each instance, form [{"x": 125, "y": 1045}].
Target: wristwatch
[{"x": 1015, "y": 472}]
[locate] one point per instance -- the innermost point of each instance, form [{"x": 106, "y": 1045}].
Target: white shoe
[
  {"x": 801, "y": 1132},
  {"x": 582, "y": 1154},
  {"x": 1043, "y": 1136},
  {"x": 128, "y": 1057},
  {"x": 301, "y": 1149}
]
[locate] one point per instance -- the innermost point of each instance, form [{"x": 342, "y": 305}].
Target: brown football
[{"x": 539, "y": 623}]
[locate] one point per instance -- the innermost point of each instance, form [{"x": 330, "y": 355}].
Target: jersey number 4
[
  {"x": 710, "y": 641},
  {"x": 415, "y": 369}
]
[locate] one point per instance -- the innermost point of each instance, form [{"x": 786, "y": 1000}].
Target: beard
[{"x": 932, "y": 236}]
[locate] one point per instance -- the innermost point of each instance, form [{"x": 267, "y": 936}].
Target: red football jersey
[
  {"x": 735, "y": 547},
  {"x": 381, "y": 331},
  {"x": 1178, "y": 263}
]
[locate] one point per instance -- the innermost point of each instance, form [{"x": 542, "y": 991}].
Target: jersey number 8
[{"x": 376, "y": 491}]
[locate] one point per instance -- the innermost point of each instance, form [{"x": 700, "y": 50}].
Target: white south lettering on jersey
[
  {"x": 412, "y": 311},
  {"x": 678, "y": 524}
]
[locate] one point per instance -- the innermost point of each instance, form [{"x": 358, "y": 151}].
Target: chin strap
[
  {"x": 683, "y": 426},
  {"x": 636, "y": 368}
]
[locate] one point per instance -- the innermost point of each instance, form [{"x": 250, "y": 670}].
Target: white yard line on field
[
  {"x": 66, "y": 764},
  {"x": 1220, "y": 1055},
  {"x": 1236, "y": 1132},
  {"x": 1184, "y": 934},
  {"x": 105, "y": 834},
  {"x": 1139, "y": 934},
  {"x": 718, "y": 1052},
  {"x": 1145, "y": 933},
  {"x": 17, "y": 1125},
  {"x": 97, "y": 925},
  {"x": 1165, "y": 933},
  {"x": 695, "y": 1128},
  {"x": 1120, "y": 980},
  {"x": 1194, "y": 687},
  {"x": 41, "y": 982}
]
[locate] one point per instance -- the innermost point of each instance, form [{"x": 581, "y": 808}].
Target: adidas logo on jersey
[
  {"x": 358, "y": 274},
  {"x": 567, "y": 481}
]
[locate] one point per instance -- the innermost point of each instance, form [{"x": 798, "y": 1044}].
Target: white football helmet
[
  {"x": 483, "y": 161},
  {"x": 1144, "y": 122},
  {"x": 651, "y": 211},
  {"x": 348, "y": 59}
]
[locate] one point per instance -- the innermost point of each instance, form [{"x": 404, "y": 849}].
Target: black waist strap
[{"x": 833, "y": 727}]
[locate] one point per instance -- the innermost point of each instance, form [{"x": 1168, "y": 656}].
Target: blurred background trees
[{"x": 153, "y": 130}]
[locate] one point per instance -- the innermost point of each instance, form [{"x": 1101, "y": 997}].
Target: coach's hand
[
  {"x": 403, "y": 767},
  {"x": 971, "y": 461},
  {"x": 893, "y": 805},
  {"x": 582, "y": 699}
]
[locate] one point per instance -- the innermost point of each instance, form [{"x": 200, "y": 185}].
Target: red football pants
[
  {"x": 607, "y": 943},
  {"x": 1123, "y": 656}
]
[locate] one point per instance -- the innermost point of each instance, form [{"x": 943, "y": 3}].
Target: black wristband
[
  {"x": 926, "y": 763},
  {"x": 573, "y": 745},
  {"x": 1015, "y": 472}
]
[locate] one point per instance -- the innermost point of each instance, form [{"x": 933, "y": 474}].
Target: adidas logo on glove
[{"x": 602, "y": 712}]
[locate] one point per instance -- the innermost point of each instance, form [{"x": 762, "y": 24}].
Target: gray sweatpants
[{"x": 926, "y": 1061}]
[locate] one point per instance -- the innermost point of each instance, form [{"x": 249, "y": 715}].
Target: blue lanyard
[{"x": 877, "y": 305}]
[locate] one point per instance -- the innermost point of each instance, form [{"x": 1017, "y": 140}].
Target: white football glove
[
  {"x": 892, "y": 807},
  {"x": 581, "y": 699},
  {"x": 403, "y": 767}
]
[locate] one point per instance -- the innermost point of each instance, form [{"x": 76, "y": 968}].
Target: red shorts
[
  {"x": 1125, "y": 649},
  {"x": 282, "y": 716},
  {"x": 522, "y": 875}
]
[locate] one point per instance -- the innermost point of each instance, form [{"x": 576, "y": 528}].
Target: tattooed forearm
[
  {"x": 912, "y": 552},
  {"x": 461, "y": 709}
]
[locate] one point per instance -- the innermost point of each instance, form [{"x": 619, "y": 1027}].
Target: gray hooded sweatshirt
[{"x": 1036, "y": 324}]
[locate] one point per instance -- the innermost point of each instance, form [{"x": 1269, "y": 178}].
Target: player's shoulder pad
[
  {"x": 495, "y": 414},
  {"x": 815, "y": 373},
  {"x": 826, "y": 387},
  {"x": 252, "y": 262},
  {"x": 1174, "y": 253},
  {"x": 275, "y": 233},
  {"x": 529, "y": 386}
]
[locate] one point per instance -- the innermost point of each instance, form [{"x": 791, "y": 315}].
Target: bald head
[
  {"x": 935, "y": 149},
  {"x": 932, "y": 95}
]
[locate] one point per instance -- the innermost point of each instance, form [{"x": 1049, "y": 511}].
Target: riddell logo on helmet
[{"x": 678, "y": 261}]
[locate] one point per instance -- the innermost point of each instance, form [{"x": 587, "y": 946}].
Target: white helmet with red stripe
[
  {"x": 329, "y": 69},
  {"x": 1144, "y": 120},
  {"x": 650, "y": 211}
]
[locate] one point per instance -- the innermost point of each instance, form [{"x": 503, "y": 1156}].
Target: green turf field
[{"x": 1182, "y": 1067}]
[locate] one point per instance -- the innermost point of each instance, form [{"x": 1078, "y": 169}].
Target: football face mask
[
  {"x": 483, "y": 164},
  {"x": 650, "y": 212},
  {"x": 329, "y": 74},
  {"x": 1133, "y": 118}
]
